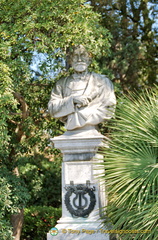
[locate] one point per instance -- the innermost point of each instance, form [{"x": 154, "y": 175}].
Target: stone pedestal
[{"x": 82, "y": 194}]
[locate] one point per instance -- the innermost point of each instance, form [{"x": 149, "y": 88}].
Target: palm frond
[{"x": 131, "y": 164}]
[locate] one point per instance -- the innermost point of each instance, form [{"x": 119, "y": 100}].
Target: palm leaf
[{"x": 131, "y": 164}]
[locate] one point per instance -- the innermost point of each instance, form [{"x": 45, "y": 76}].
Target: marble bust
[{"x": 83, "y": 98}]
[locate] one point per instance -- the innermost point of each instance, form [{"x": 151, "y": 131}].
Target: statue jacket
[{"x": 101, "y": 101}]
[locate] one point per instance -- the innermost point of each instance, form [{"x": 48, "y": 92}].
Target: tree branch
[
  {"x": 24, "y": 113},
  {"x": 24, "y": 106}
]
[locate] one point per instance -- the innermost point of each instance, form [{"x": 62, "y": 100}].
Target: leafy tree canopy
[{"x": 133, "y": 59}]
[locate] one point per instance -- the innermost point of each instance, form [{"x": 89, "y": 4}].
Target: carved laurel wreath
[{"x": 80, "y": 212}]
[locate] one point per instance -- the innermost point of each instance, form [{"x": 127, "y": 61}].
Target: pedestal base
[
  {"x": 80, "y": 231},
  {"x": 83, "y": 196}
]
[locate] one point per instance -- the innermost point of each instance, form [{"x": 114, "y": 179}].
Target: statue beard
[{"x": 80, "y": 66}]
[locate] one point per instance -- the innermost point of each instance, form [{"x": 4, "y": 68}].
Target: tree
[
  {"x": 131, "y": 167},
  {"x": 29, "y": 27},
  {"x": 133, "y": 59}
]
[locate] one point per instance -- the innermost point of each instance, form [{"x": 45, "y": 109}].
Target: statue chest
[{"x": 76, "y": 88}]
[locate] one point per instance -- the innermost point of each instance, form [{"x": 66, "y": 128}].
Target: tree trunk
[{"x": 17, "y": 222}]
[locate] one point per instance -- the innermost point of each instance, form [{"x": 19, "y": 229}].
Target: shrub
[{"x": 38, "y": 221}]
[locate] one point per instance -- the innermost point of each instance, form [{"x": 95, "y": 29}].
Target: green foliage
[
  {"x": 133, "y": 59},
  {"x": 5, "y": 204},
  {"x": 50, "y": 25},
  {"x": 13, "y": 195},
  {"x": 38, "y": 221},
  {"x": 43, "y": 179},
  {"x": 6, "y": 101},
  {"x": 17, "y": 194},
  {"x": 131, "y": 165}
]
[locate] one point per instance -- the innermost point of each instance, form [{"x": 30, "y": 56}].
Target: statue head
[{"x": 80, "y": 59}]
